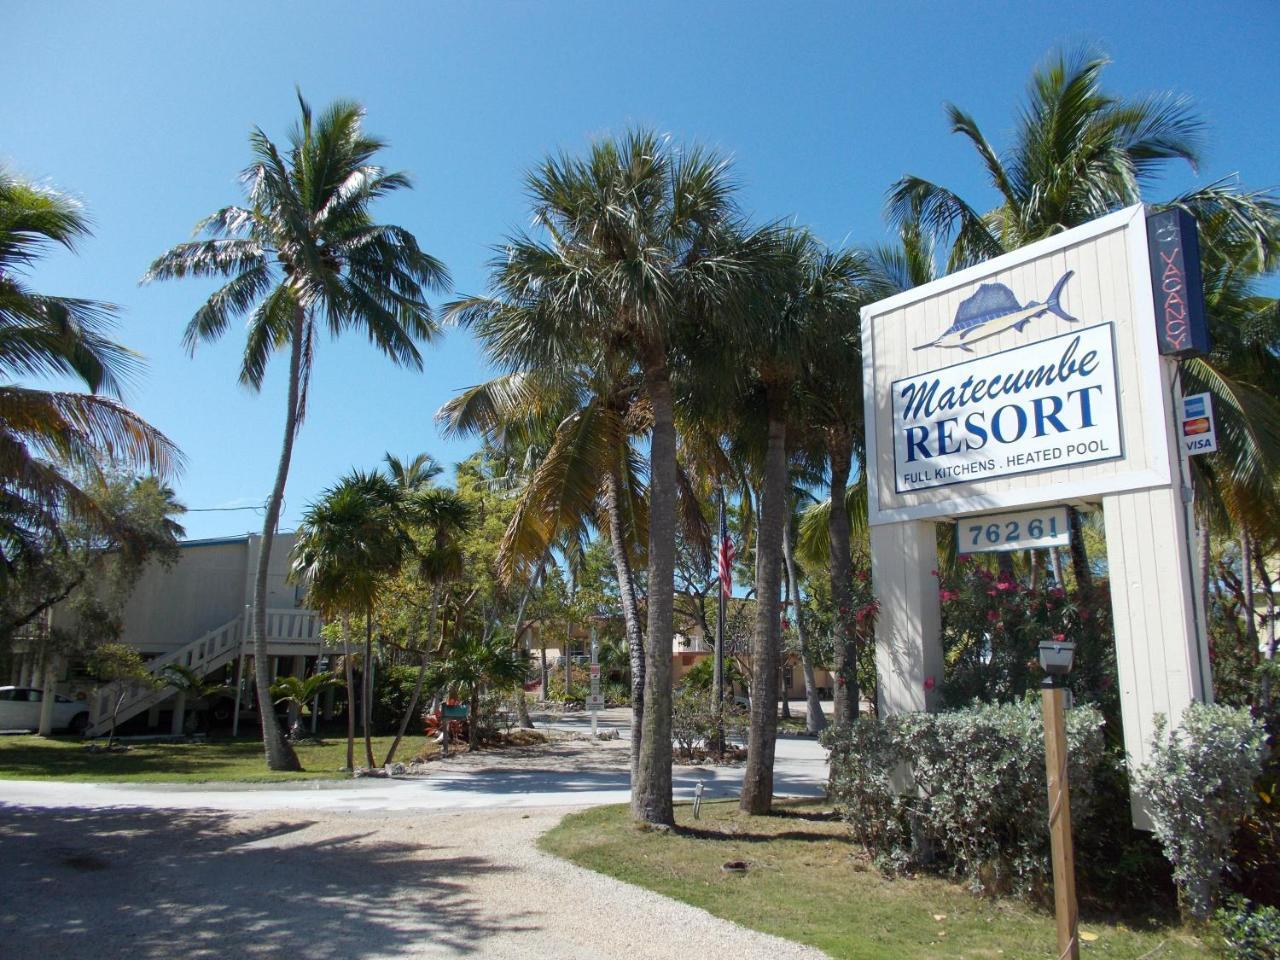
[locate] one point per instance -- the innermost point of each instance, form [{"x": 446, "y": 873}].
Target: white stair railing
[{"x": 203, "y": 655}]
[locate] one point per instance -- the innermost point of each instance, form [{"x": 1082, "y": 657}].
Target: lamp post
[{"x": 1056, "y": 658}]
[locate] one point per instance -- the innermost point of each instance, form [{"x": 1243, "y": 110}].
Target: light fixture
[{"x": 1056, "y": 657}]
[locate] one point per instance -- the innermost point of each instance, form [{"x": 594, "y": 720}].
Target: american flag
[{"x": 725, "y": 557}]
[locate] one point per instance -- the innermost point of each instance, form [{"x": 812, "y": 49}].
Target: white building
[{"x": 195, "y": 612}]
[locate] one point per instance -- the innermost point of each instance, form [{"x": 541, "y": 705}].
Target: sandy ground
[{"x": 113, "y": 883}]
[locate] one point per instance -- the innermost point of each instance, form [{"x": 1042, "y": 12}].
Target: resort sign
[
  {"x": 1046, "y": 404},
  {"x": 999, "y": 394}
]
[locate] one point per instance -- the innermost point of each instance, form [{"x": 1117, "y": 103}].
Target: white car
[{"x": 20, "y": 710}]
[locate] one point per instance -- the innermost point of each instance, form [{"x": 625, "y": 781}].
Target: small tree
[
  {"x": 120, "y": 664},
  {"x": 297, "y": 692},
  {"x": 191, "y": 688}
]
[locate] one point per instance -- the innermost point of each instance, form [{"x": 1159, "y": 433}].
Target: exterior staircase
[{"x": 289, "y": 632}]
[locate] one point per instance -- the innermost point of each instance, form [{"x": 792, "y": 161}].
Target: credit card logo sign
[
  {"x": 1193, "y": 427},
  {"x": 1194, "y": 406}
]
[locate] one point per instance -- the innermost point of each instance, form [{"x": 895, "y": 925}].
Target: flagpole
[{"x": 718, "y": 681}]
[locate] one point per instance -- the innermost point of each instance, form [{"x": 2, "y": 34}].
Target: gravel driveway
[{"x": 113, "y": 883}]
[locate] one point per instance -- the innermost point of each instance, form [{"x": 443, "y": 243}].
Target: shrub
[
  {"x": 979, "y": 796},
  {"x": 392, "y": 691},
  {"x": 693, "y": 720},
  {"x": 864, "y": 758},
  {"x": 992, "y": 625},
  {"x": 579, "y": 683},
  {"x": 1198, "y": 786},
  {"x": 1249, "y": 931}
]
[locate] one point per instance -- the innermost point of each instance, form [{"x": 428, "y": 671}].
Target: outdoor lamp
[{"x": 1056, "y": 657}]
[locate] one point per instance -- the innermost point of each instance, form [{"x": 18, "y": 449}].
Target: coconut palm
[
  {"x": 305, "y": 255},
  {"x": 55, "y": 444},
  {"x": 437, "y": 519},
  {"x": 630, "y": 246},
  {"x": 412, "y": 474},
  {"x": 1078, "y": 153}
]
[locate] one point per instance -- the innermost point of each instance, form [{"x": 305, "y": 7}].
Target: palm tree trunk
[
  {"x": 351, "y": 692},
  {"x": 757, "y": 781},
  {"x": 651, "y": 786},
  {"x": 1079, "y": 555},
  {"x": 845, "y": 697},
  {"x": 1205, "y": 559},
  {"x": 522, "y": 704},
  {"x": 630, "y": 612},
  {"x": 1246, "y": 578},
  {"x": 783, "y": 687},
  {"x": 280, "y": 755},
  {"x": 366, "y": 711},
  {"x": 815, "y": 721},
  {"x": 473, "y": 720},
  {"x": 1055, "y": 560},
  {"x": 1035, "y": 568}
]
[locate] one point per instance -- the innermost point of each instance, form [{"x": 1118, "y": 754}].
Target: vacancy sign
[{"x": 1197, "y": 429}]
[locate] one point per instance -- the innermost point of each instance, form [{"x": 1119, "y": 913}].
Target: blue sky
[{"x": 143, "y": 109}]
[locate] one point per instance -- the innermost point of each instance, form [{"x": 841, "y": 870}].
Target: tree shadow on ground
[{"x": 164, "y": 884}]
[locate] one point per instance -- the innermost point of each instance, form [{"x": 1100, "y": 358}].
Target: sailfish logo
[{"x": 993, "y": 309}]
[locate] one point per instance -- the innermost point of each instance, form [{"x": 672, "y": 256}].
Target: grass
[
  {"x": 808, "y": 883},
  {"x": 65, "y": 758}
]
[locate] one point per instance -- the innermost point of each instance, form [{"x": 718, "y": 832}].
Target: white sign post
[{"x": 1017, "y": 385}]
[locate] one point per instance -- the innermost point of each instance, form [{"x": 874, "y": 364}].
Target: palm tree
[
  {"x": 803, "y": 292},
  {"x": 576, "y": 432},
  {"x": 349, "y": 542},
  {"x": 412, "y": 474},
  {"x": 306, "y": 255},
  {"x": 473, "y": 664},
  {"x": 297, "y": 692},
  {"x": 54, "y": 444},
  {"x": 1079, "y": 153},
  {"x": 632, "y": 245},
  {"x": 436, "y": 519},
  {"x": 191, "y": 687}
]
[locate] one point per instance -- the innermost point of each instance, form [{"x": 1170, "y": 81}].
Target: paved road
[{"x": 576, "y": 773}]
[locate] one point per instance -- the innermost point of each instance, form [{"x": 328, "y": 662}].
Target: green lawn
[
  {"x": 65, "y": 758},
  {"x": 806, "y": 883}
]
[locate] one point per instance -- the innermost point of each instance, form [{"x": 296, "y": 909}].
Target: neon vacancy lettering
[{"x": 1065, "y": 410}]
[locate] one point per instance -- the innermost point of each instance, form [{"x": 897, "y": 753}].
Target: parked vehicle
[{"x": 20, "y": 710}]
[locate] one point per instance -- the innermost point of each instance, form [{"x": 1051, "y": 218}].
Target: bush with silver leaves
[
  {"x": 979, "y": 801},
  {"x": 1198, "y": 786}
]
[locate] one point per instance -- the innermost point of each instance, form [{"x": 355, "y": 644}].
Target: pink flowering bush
[{"x": 993, "y": 624}]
